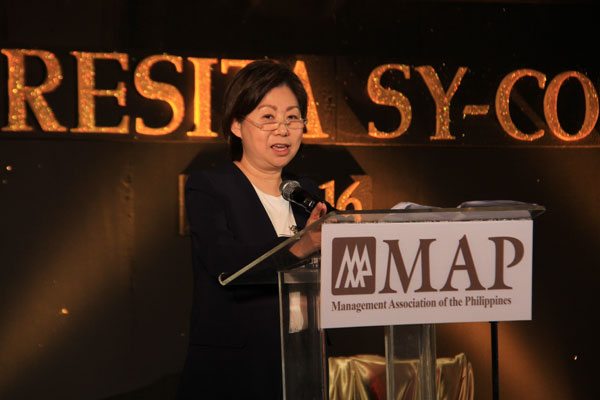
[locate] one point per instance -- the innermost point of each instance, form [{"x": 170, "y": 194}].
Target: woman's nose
[{"x": 282, "y": 129}]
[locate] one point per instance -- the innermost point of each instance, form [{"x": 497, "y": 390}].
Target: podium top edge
[{"x": 534, "y": 210}]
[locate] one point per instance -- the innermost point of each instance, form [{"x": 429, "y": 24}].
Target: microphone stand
[{"x": 495, "y": 370}]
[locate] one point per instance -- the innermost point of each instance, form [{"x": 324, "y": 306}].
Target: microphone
[{"x": 293, "y": 192}]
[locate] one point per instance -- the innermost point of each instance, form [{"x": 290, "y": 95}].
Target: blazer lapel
[
  {"x": 262, "y": 222},
  {"x": 300, "y": 215},
  {"x": 260, "y": 219}
]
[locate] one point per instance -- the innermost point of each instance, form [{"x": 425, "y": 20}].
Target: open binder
[{"x": 303, "y": 340}]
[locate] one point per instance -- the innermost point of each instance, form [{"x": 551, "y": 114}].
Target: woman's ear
[{"x": 236, "y": 128}]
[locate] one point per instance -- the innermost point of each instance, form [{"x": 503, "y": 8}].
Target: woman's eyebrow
[{"x": 275, "y": 107}]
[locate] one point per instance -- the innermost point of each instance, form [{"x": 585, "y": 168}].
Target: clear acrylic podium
[{"x": 304, "y": 342}]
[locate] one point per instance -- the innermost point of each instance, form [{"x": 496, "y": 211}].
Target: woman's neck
[{"x": 267, "y": 181}]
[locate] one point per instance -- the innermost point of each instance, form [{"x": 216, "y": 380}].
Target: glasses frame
[{"x": 285, "y": 123}]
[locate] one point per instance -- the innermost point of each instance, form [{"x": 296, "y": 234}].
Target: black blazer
[{"x": 229, "y": 228}]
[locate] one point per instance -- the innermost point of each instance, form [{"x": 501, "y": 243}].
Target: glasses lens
[
  {"x": 293, "y": 125},
  {"x": 270, "y": 126},
  {"x": 296, "y": 125}
]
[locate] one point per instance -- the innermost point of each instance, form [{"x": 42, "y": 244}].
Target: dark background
[{"x": 91, "y": 225}]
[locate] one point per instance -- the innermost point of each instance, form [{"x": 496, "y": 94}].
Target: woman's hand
[
  {"x": 311, "y": 240},
  {"x": 317, "y": 212}
]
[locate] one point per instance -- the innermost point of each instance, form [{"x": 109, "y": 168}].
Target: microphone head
[{"x": 287, "y": 188}]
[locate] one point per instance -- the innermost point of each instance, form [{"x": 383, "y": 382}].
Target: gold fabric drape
[{"x": 362, "y": 377}]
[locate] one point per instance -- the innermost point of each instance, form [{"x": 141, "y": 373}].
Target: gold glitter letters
[
  {"x": 503, "y": 101},
  {"x": 442, "y": 99},
  {"x": 159, "y": 91},
  {"x": 551, "y": 101},
  {"x": 389, "y": 97},
  {"x": 86, "y": 81},
  {"x": 313, "y": 127},
  {"x": 202, "y": 97},
  {"x": 19, "y": 94}
]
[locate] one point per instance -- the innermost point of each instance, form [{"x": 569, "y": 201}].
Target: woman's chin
[{"x": 284, "y": 158}]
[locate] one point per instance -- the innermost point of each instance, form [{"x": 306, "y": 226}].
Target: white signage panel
[{"x": 425, "y": 272}]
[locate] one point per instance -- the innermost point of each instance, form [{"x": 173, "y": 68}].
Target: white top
[{"x": 279, "y": 211}]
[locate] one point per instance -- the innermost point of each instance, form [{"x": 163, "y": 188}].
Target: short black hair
[{"x": 247, "y": 89}]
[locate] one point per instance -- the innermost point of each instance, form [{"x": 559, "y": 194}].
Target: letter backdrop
[{"x": 105, "y": 107}]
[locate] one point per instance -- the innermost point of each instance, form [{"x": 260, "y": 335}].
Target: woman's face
[{"x": 270, "y": 150}]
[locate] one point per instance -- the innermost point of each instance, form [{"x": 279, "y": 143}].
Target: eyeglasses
[{"x": 290, "y": 124}]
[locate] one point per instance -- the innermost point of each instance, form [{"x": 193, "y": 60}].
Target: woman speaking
[{"x": 236, "y": 213}]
